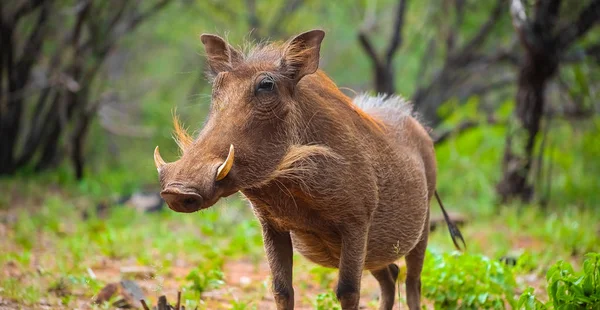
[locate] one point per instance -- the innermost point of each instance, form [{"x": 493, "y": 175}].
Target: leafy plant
[
  {"x": 241, "y": 305},
  {"x": 467, "y": 281},
  {"x": 327, "y": 301},
  {"x": 568, "y": 289},
  {"x": 204, "y": 279},
  {"x": 323, "y": 275},
  {"x": 27, "y": 294},
  {"x": 528, "y": 301}
]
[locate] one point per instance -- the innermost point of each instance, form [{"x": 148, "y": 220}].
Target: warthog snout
[
  {"x": 191, "y": 184},
  {"x": 182, "y": 199}
]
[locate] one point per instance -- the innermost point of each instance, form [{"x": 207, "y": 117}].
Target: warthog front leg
[
  {"x": 352, "y": 261},
  {"x": 278, "y": 246}
]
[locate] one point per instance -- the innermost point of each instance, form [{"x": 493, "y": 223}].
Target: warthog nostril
[{"x": 182, "y": 201}]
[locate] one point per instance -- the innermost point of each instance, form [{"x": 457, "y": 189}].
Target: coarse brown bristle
[
  {"x": 332, "y": 87},
  {"x": 183, "y": 139}
]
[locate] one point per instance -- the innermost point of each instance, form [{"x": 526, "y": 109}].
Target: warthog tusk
[
  {"x": 226, "y": 165},
  {"x": 158, "y": 161}
]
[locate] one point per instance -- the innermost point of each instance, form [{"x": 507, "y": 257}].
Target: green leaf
[{"x": 581, "y": 79}]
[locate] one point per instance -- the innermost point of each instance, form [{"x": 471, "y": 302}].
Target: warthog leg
[
  {"x": 414, "y": 266},
  {"x": 352, "y": 261},
  {"x": 278, "y": 246},
  {"x": 387, "y": 282}
]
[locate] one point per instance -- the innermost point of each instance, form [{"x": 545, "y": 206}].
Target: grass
[
  {"x": 52, "y": 255},
  {"x": 52, "y": 244}
]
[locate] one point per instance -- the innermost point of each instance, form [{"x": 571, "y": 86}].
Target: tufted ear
[
  {"x": 301, "y": 54},
  {"x": 220, "y": 55}
]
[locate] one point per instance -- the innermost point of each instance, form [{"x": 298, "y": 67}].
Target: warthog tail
[{"x": 452, "y": 228}]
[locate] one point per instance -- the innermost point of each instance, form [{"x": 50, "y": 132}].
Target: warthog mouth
[{"x": 183, "y": 199}]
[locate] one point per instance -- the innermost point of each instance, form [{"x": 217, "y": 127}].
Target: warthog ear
[
  {"x": 301, "y": 54},
  {"x": 220, "y": 55}
]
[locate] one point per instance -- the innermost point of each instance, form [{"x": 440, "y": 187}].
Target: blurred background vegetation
[{"x": 510, "y": 90}]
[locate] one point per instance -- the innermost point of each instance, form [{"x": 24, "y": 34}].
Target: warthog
[{"x": 347, "y": 183}]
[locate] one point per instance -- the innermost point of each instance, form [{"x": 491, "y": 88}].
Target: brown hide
[{"x": 349, "y": 187}]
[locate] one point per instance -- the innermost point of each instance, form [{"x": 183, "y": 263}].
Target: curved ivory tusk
[
  {"x": 225, "y": 167},
  {"x": 158, "y": 161}
]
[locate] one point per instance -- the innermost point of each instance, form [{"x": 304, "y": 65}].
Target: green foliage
[
  {"x": 473, "y": 156},
  {"x": 453, "y": 112},
  {"x": 27, "y": 294},
  {"x": 327, "y": 301},
  {"x": 203, "y": 279},
  {"x": 467, "y": 281},
  {"x": 528, "y": 301},
  {"x": 323, "y": 275},
  {"x": 571, "y": 233},
  {"x": 241, "y": 305},
  {"x": 568, "y": 289}
]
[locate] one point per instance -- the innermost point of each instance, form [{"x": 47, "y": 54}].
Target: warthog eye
[{"x": 265, "y": 85}]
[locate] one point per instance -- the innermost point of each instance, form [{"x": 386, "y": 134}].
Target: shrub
[
  {"x": 467, "y": 281},
  {"x": 568, "y": 289},
  {"x": 327, "y": 301},
  {"x": 204, "y": 279}
]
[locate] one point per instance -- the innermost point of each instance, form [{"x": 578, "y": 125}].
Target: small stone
[
  {"x": 244, "y": 281},
  {"x": 129, "y": 294},
  {"x": 132, "y": 293},
  {"x": 106, "y": 293}
]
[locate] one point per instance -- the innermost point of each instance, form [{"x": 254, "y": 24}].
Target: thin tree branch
[
  {"x": 459, "y": 9},
  {"x": 593, "y": 51},
  {"x": 368, "y": 24},
  {"x": 117, "y": 17},
  {"x": 588, "y": 17},
  {"x": 396, "y": 39},
  {"x": 482, "y": 89},
  {"x": 425, "y": 62},
  {"x": 32, "y": 48},
  {"x": 81, "y": 17},
  {"x": 546, "y": 14},
  {"x": 502, "y": 55},
  {"x": 147, "y": 14},
  {"x": 40, "y": 130},
  {"x": 27, "y": 7},
  {"x": 221, "y": 7},
  {"x": 288, "y": 8},
  {"x": 483, "y": 33},
  {"x": 368, "y": 47},
  {"x": 463, "y": 127},
  {"x": 253, "y": 21},
  {"x": 108, "y": 43},
  {"x": 580, "y": 54}
]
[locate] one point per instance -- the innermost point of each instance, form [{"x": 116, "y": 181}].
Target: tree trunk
[
  {"x": 535, "y": 72},
  {"x": 384, "y": 79},
  {"x": 9, "y": 109}
]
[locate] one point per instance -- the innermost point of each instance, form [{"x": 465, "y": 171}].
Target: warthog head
[{"x": 256, "y": 116}]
